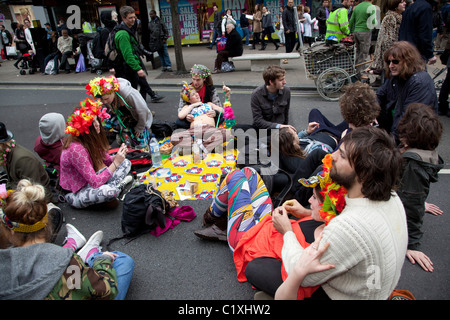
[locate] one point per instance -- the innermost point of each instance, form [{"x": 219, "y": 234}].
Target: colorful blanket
[{"x": 178, "y": 173}]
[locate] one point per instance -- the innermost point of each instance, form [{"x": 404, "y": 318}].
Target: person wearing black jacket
[
  {"x": 217, "y": 26},
  {"x": 244, "y": 27},
  {"x": 158, "y": 40},
  {"x": 322, "y": 16},
  {"x": 289, "y": 26},
  {"x": 233, "y": 47},
  {"x": 417, "y": 28}
]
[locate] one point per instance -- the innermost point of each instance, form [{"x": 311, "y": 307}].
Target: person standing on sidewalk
[
  {"x": 289, "y": 25},
  {"x": 158, "y": 40},
  {"x": 360, "y": 27},
  {"x": 244, "y": 27},
  {"x": 268, "y": 29},
  {"x": 257, "y": 26},
  {"x": 217, "y": 26}
]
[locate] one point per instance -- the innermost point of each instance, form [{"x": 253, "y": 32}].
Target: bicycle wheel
[{"x": 330, "y": 83}]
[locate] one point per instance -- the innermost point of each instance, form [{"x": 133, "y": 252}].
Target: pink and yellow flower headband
[
  {"x": 82, "y": 118},
  {"x": 98, "y": 87},
  {"x": 186, "y": 91}
]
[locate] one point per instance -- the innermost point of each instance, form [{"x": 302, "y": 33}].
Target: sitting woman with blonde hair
[{"x": 48, "y": 271}]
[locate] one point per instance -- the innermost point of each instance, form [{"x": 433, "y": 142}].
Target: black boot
[
  {"x": 156, "y": 97},
  {"x": 16, "y": 64}
]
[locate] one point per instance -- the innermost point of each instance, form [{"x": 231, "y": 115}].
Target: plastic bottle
[
  {"x": 197, "y": 157},
  {"x": 135, "y": 179},
  {"x": 156, "y": 155},
  {"x": 127, "y": 141}
]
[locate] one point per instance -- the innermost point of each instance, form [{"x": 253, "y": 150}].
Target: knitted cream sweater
[{"x": 368, "y": 242}]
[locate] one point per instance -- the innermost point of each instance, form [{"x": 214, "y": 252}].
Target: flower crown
[
  {"x": 333, "y": 193},
  {"x": 186, "y": 91},
  {"x": 98, "y": 87},
  {"x": 82, "y": 118},
  {"x": 200, "y": 71}
]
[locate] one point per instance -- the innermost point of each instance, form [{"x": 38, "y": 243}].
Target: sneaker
[
  {"x": 169, "y": 69},
  {"x": 92, "y": 246},
  {"x": 125, "y": 181},
  {"x": 156, "y": 97},
  {"x": 74, "y": 239},
  {"x": 57, "y": 218}
]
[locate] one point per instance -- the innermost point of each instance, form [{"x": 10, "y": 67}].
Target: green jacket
[
  {"x": 359, "y": 21},
  {"x": 420, "y": 169},
  {"x": 24, "y": 164},
  {"x": 126, "y": 45},
  {"x": 337, "y": 24}
]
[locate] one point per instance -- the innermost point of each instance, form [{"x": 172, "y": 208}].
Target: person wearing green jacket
[
  {"x": 362, "y": 21},
  {"x": 132, "y": 67}
]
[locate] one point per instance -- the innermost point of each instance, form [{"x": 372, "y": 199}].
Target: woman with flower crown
[
  {"x": 127, "y": 106},
  {"x": 88, "y": 173}
]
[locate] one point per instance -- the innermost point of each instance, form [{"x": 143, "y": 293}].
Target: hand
[
  {"x": 309, "y": 261},
  {"x": 288, "y": 126},
  {"x": 112, "y": 71},
  {"x": 421, "y": 258},
  {"x": 280, "y": 220},
  {"x": 311, "y": 127},
  {"x": 432, "y": 60},
  {"x": 137, "y": 134},
  {"x": 190, "y": 117},
  {"x": 295, "y": 208},
  {"x": 141, "y": 73},
  {"x": 211, "y": 113},
  {"x": 121, "y": 154},
  {"x": 111, "y": 254},
  {"x": 433, "y": 209}
]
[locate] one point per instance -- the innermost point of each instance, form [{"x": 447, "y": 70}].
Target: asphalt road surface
[{"x": 178, "y": 265}]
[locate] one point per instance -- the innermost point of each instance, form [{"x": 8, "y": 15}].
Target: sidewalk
[{"x": 198, "y": 54}]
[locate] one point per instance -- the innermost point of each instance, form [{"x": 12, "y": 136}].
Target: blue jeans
[
  {"x": 216, "y": 34},
  {"x": 164, "y": 55},
  {"x": 246, "y": 35},
  {"x": 124, "y": 266}
]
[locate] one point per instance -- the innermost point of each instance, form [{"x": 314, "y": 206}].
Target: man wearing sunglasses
[{"x": 407, "y": 82}]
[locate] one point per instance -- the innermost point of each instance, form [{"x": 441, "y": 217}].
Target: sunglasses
[{"x": 393, "y": 61}]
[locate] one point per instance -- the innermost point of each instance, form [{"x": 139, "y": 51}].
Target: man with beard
[{"x": 368, "y": 239}]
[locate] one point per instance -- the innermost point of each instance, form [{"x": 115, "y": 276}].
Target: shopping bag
[
  {"x": 80, "y": 65},
  {"x": 221, "y": 44},
  {"x": 11, "y": 51},
  {"x": 227, "y": 66},
  {"x": 49, "y": 67}
]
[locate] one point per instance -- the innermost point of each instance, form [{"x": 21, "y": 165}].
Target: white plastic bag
[{"x": 49, "y": 67}]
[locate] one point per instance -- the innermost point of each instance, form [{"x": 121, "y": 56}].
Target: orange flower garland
[{"x": 333, "y": 193}]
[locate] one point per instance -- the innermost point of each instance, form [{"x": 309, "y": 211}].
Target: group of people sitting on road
[{"x": 357, "y": 200}]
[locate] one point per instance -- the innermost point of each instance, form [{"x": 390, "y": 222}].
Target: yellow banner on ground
[{"x": 186, "y": 180}]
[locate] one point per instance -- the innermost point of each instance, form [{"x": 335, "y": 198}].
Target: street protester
[
  {"x": 370, "y": 230},
  {"x": 89, "y": 174},
  {"x": 203, "y": 126},
  {"x": 203, "y": 84},
  {"x": 407, "y": 82},
  {"x": 130, "y": 113},
  {"x": 419, "y": 132},
  {"x": 46, "y": 270}
]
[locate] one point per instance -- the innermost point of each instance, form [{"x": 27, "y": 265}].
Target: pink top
[{"x": 77, "y": 169}]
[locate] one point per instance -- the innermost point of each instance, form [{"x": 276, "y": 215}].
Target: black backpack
[
  {"x": 98, "y": 50},
  {"x": 144, "y": 208}
]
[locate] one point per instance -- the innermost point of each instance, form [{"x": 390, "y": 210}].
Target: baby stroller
[
  {"x": 28, "y": 62},
  {"x": 96, "y": 64}
]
